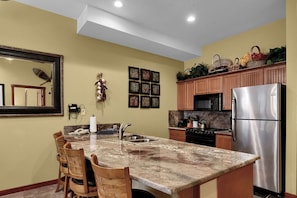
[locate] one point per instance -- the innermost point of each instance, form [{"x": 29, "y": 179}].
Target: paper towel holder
[{"x": 93, "y": 124}]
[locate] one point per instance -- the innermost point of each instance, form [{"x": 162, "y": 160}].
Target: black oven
[
  {"x": 201, "y": 136},
  {"x": 205, "y": 137}
]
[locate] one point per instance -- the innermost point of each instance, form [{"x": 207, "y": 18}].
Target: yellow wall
[
  {"x": 291, "y": 153},
  {"x": 26, "y": 144},
  {"x": 266, "y": 37}
]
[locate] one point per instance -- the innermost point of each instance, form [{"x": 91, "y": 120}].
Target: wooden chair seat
[{"x": 115, "y": 182}]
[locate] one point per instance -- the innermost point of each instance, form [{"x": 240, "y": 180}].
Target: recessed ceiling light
[
  {"x": 118, "y": 4},
  {"x": 191, "y": 18}
]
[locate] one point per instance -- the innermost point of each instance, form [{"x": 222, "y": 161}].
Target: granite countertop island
[{"x": 166, "y": 165}]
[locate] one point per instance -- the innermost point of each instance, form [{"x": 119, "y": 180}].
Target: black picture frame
[
  {"x": 155, "y": 102},
  {"x": 155, "y": 89},
  {"x": 145, "y": 102},
  {"x": 145, "y": 88},
  {"x": 133, "y": 101},
  {"x": 134, "y": 87},
  {"x": 2, "y": 96},
  {"x": 155, "y": 76},
  {"x": 145, "y": 74},
  {"x": 133, "y": 73}
]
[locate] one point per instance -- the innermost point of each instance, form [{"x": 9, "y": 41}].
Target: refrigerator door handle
[{"x": 233, "y": 119}]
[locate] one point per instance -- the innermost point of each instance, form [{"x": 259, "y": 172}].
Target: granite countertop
[{"x": 166, "y": 165}]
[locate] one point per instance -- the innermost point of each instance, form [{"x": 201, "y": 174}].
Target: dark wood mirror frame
[{"x": 57, "y": 77}]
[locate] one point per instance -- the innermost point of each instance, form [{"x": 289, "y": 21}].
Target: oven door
[{"x": 207, "y": 140}]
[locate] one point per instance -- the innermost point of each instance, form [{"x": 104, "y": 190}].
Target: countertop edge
[
  {"x": 225, "y": 132},
  {"x": 177, "y": 128}
]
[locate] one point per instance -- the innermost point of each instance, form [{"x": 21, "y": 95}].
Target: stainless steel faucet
[{"x": 122, "y": 129}]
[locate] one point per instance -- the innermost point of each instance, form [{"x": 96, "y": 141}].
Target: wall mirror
[{"x": 31, "y": 83}]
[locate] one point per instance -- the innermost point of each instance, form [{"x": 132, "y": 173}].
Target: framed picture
[
  {"x": 133, "y": 73},
  {"x": 145, "y": 88},
  {"x": 134, "y": 87},
  {"x": 155, "y": 102},
  {"x": 155, "y": 89},
  {"x": 145, "y": 74},
  {"x": 145, "y": 102},
  {"x": 2, "y": 102},
  {"x": 155, "y": 76},
  {"x": 133, "y": 101}
]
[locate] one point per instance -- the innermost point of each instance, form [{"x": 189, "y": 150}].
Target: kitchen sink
[{"x": 137, "y": 138}]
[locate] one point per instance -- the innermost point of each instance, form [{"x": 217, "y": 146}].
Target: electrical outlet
[{"x": 83, "y": 111}]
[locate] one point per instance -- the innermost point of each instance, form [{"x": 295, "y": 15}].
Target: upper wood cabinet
[
  {"x": 185, "y": 95},
  {"x": 200, "y": 86},
  {"x": 251, "y": 77},
  {"x": 181, "y": 95},
  {"x": 275, "y": 74},
  {"x": 215, "y": 84},
  {"x": 209, "y": 85},
  {"x": 190, "y": 95},
  {"x": 230, "y": 81}
]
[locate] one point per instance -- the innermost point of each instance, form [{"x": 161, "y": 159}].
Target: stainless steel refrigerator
[{"x": 258, "y": 127}]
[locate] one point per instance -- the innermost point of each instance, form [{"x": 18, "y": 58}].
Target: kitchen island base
[{"x": 234, "y": 184}]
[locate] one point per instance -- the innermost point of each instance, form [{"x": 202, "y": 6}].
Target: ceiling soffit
[{"x": 99, "y": 24}]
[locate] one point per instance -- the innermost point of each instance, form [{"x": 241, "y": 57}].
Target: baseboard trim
[
  {"x": 288, "y": 195},
  {"x": 29, "y": 187}
]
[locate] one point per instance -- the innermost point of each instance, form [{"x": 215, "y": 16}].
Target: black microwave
[{"x": 208, "y": 102}]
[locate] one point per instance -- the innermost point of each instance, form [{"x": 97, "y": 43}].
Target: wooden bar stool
[
  {"x": 60, "y": 180},
  {"x": 63, "y": 177},
  {"x": 81, "y": 181},
  {"x": 115, "y": 182}
]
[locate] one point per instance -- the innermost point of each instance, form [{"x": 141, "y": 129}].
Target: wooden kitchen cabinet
[
  {"x": 190, "y": 88},
  {"x": 181, "y": 95},
  {"x": 215, "y": 85},
  {"x": 209, "y": 85},
  {"x": 179, "y": 135},
  {"x": 224, "y": 141},
  {"x": 185, "y": 95},
  {"x": 230, "y": 81},
  {"x": 252, "y": 77},
  {"x": 275, "y": 74},
  {"x": 200, "y": 86}
]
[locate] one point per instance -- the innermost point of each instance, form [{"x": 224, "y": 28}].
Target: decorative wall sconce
[{"x": 100, "y": 88}]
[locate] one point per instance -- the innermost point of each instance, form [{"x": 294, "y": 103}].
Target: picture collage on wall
[{"x": 144, "y": 88}]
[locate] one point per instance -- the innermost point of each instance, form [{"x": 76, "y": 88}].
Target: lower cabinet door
[
  {"x": 224, "y": 141},
  {"x": 179, "y": 135}
]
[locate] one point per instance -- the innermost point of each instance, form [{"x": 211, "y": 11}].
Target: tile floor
[
  {"x": 49, "y": 192},
  {"x": 42, "y": 192}
]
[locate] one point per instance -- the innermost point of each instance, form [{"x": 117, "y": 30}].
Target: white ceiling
[{"x": 159, "y": 26}]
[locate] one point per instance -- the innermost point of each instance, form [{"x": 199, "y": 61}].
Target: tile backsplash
[{"x": 213, "y": 119}]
